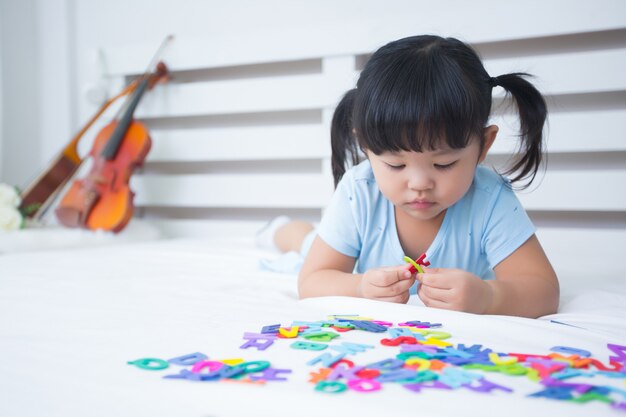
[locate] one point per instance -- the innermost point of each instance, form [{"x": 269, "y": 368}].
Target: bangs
[{"x": 421, "y": 101}]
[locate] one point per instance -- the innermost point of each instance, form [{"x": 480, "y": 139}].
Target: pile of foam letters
[{"x": 422, "y": 359}]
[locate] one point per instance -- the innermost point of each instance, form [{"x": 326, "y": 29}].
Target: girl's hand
[
  {"x": 454, "y": 289},
  {"x": 387, "y": 284}
]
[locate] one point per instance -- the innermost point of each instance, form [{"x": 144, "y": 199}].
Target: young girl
[{"x": 419, "y": 114}]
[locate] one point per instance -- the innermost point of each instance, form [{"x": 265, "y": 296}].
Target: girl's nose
[{"x": 419, "y": 181}]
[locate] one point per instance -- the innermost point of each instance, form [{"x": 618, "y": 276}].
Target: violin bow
[{"x": 160, "y": 68}]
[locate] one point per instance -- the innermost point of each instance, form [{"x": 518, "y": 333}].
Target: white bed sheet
[{"x": 71, "y": 320}]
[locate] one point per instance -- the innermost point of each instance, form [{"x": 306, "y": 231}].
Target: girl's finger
[
  {"x": 385, "y": 278},
  {"x": 402, "y": 286},
  {"x": 436, "y": 304},
  {"x": 401, "y": 298},
  {"x": 435, "y": 294},
  {"x": 435, "y": 280},
  {"x": 398, "y": 287}
]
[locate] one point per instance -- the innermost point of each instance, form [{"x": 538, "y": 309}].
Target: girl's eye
[
  {"x": 395, "y": 167},
  {"x": 445, "y": 166}
]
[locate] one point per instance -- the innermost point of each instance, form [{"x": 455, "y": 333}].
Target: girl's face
[{"x": 425, "y": 184}]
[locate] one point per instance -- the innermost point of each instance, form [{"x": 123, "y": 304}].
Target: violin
[
  {"x": 103, "y": 199},
  {"x": 41, "y": 192}
]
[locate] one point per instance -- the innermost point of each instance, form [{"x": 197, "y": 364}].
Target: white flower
[
  {"x": 9, "y": 196},
  {"x": 10, "y": 218}
]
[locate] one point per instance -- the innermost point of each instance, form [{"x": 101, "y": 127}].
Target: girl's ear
[{"x": 490, "y": 133}]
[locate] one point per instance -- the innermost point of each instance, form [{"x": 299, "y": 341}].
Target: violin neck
[{"x": 113, "y": 144}]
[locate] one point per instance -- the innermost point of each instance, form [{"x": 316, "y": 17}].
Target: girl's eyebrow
[
  {"x": 437, "y": 152},
  {"x": 447, "y": 151}
]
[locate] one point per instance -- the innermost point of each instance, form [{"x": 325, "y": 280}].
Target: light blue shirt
[{"x": 479, "y": 231}]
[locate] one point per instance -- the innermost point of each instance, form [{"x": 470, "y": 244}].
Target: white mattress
[{"x": 71, "y": 320}]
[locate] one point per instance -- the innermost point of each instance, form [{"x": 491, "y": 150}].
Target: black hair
[{"x": 420, "y": 92}]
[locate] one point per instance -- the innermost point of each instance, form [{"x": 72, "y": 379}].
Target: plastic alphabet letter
[
  {"x": 212, "y": 366},
  {"x": 408, "y": 340},
  {"x": 343, "y": 372},
  {"x": 420, "y": 364},
  {"x": 288, "y": 333},
  {"x": 556, "y": 393},
  {"x": 333, "y": 387},
  {"x": 230, "y": 371},
  {"x": 368, "y": 373},
  {"x": 599, "y": 365},
  {"x": 486, "y": 386},
  {"x": 308, "y": 345},
  {"x": 436, "y": 342},
  {"x": 580, "y": 388},
  {"x": 567, "y": 373},
  {"x": 546, "y": 367},
  {"x": 272, "y": 328},
  {"x": 397, "y": 375},
  {"x": 619, "y": 406},
  {"x": 591, "y": 396},
  {"x": 320, "y": 375},
  {"x": 346, "y": 362},
  {"x": 271, "y": 374},
  {"x": 231, "y": 362},
  {"x": 321, "y": 336},
  {"x": 432, "y": 334},
  {"x": 456, "y": 352},
  {"x": 420, "y": 324},
  {"x": 454, "y": 377},
  {"x": 368, "y": 326},
  {"x": 364, "y": 385},
  {"x": 415, "y": 267},
  {"x": 386, "y": 364},
  {"x": 256, "y": 336},
  {"x": 571, "y": 351},
  {"x": 188, "y": 360},
  {"x": 619, "y": 350},
  {"x": 422, "y": 260},
  {"x": 351, "y": 348},
  {"x": 400, "y": 331},
  {"x": 326, "y": 358},
  {"x": 183, "y": 374},
  {"x": 260, "y": 344},
  {"x": 253, "y": 366},
  {"x": 150, "y": 364},
  {"x": 431, "y": 350},
  {"x": 420, "y": 386}
]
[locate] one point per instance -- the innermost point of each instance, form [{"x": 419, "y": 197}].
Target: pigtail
[
  {"x": 533, "y": 112},
  {"x": 342, "y": 139}
]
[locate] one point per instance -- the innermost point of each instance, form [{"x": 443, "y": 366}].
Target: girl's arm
[
  {"x": 526, "y": 284},
  {"x": 328, "y": 272}
]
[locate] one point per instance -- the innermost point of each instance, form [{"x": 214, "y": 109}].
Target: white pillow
[{"x": 51, "y": 237}]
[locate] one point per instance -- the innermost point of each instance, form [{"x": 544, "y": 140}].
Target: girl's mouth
[{"x": 421, "y": 204}]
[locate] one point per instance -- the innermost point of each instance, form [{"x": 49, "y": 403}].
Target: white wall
[
  {"x": 1, "y": 94},
  {"x": 20, "y": 86},
  {"x": 48, "y": 50},
  {"x": 56, "y": 48}
]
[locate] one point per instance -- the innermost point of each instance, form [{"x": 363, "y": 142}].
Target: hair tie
[{"x": 493, "y": 81}]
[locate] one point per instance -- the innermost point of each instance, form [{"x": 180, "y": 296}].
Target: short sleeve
[
  {"x": 507, "y": 226},
  {"x": 339, "y": 228}
]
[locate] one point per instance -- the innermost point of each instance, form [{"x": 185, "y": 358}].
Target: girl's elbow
[
  {"x": 303, "y": 291},
  {"x": 552, "y": 298},
  {"x": 555, "y": 299}
]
